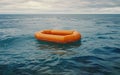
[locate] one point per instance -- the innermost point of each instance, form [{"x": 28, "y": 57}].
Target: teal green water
[{"x": 97, "y": 53}]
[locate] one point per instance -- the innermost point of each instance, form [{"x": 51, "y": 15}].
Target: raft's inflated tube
[{"x": 58, "y": 36}]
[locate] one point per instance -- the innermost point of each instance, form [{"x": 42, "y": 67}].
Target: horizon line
[{"x": 60, "y": 13}]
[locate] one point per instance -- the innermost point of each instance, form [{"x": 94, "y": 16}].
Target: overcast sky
[{"x": 60, "y": 6}]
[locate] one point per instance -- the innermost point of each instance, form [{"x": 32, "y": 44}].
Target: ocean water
[{"x": 97, "y": 53}]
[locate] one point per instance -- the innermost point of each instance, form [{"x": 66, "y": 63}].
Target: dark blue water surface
[{"x": 97, "y": 53}]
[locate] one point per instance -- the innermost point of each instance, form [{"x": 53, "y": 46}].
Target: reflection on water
[{"x": 56, "y": 48}]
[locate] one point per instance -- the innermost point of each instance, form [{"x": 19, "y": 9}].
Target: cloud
[{"x": 60, "y": 6}]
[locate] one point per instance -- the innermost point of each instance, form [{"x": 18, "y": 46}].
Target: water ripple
[{"x": 97, "y": 53}]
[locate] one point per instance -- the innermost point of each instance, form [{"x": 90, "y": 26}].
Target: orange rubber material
[{"x": 58, "y": 36}]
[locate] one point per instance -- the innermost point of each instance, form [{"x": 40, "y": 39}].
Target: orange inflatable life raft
[{"x": 58, "y": 36}]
